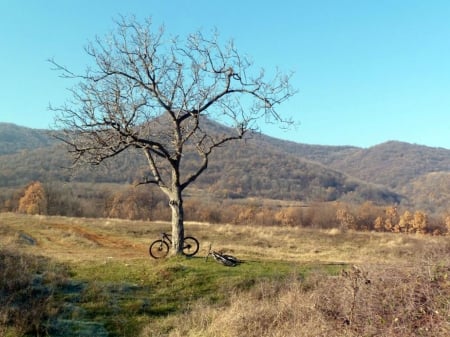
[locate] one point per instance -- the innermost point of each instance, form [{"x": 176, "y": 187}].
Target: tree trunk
[{"x": 176, "y": 205}]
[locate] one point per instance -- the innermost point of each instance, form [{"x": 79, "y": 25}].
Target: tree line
[{"x": 134, "y": 203}]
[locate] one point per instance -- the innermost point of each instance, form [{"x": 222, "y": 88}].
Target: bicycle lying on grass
[
  {"x": 225, "y": 259},
  {"x": 160, "y": 248}
]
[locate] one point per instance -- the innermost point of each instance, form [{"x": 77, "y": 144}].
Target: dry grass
[
  {"x": 408, "y": 293},
  {"x": 372, "y": 302},
  {"x": 82, "y": 239},
  {"x": 27, "y": 285}
]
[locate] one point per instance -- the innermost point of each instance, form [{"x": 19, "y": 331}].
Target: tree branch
[{"x": 154, "y": 93}]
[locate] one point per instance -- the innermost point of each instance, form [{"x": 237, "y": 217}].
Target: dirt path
[{"x": 73, "y": 242}]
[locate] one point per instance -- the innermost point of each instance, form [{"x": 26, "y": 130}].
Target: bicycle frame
[
  {"x": 165, "y": 236},
  {"x": 160, "y": 248}
]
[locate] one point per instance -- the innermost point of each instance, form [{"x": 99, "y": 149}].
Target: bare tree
[{"x": 156, "y": 94}]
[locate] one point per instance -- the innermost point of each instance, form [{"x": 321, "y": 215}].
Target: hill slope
[
  {"x": 430, "y": 191},
  {"x": 394, "y": 164},
  {"x": 14, "y": 138},
  {"x": 261, "y": 166},
  {"x": 258, "y": 167},
  {"x": 419, "y": 173}
]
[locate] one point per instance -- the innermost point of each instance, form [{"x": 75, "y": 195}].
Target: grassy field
[{"x": 94, "y": 277}]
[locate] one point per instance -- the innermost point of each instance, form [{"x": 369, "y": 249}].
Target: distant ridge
[
  {"x": 262, "y": 166},
  {"x": 14, "y": 138},
  {"x": 393, "y": 163}
]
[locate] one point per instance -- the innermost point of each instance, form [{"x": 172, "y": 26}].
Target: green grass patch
[{"x": 127, "y": 295}]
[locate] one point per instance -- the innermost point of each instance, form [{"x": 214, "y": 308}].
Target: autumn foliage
[
  {"x": 34, "y": 200},
  {"x": 134, "y": 203}
]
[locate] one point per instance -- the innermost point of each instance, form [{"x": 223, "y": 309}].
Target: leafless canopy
[{"x": 150, "y": 92}]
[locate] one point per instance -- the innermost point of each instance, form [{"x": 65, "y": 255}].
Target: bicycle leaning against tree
[{"x": 160, "y": 248}]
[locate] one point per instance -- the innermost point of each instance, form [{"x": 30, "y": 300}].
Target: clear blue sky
[{"x": 367, "y": 71}]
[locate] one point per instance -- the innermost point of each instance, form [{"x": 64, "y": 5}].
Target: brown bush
[
  {"x": 205, "y": 211},
  {"x": 27, "y": 284}
]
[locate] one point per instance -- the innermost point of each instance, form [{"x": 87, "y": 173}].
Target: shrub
[
  {"x": 27, "y": 284},
  {"x": 375, "y": 301}
]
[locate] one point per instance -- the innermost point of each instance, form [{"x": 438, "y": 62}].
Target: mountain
[
  {"x": 14, "y": 138},
  {"x": 393, "y": 164},
  {"x": 256, "y": 167},
  {"x": 261, "y": 166}
]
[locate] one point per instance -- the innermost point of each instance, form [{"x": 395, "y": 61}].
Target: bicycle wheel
[
  {"x": 190, "y": 246},
  {"x": 158, "y": 249}
]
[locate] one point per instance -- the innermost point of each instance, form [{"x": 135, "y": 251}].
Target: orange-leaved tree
[{"x": 34, "y": 200}]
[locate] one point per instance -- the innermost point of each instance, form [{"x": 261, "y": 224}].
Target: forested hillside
[
  {"x": 256, "y": 167},
  {"x": 14, "y": 138},
  {"x": 394, "y": 164},
  {"x": 261, "y": 166},
  {"x": 430, "y": 192}
]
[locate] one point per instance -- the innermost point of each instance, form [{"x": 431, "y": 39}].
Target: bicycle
[
  {"x": 160, "y": 248},
  {"x": 225, "y": 259}
]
